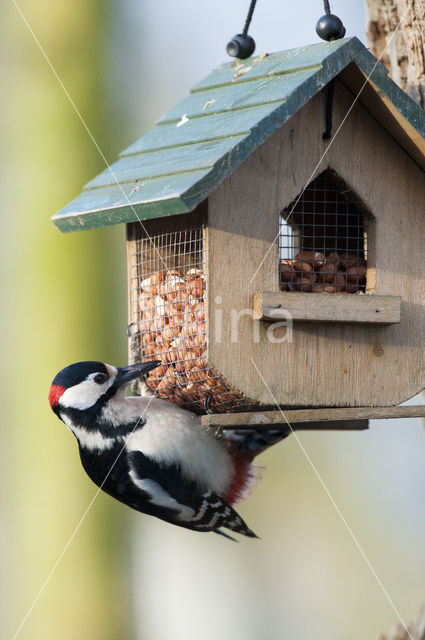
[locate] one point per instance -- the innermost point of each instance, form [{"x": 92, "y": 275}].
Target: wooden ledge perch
[
  {"x": 346, "y": 418},
  {"x": 325, "y": 307}
]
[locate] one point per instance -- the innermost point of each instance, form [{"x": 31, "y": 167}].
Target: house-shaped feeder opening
[{"x": 323, "y": 239}]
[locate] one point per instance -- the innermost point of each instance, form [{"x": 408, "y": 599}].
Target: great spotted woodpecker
[{"x": 152, "y": 455}]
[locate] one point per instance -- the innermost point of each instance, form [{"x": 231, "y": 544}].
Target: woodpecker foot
[{"x": 209, "y": 404}]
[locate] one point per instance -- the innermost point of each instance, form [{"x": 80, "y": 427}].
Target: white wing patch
[
  {"x": 159, "y": 497},
  {"x": 173, "y": 436}
]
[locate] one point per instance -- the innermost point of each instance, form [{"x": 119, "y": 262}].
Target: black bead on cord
[
  {"x": 329, "y": 27},
  {"x": 242, "y": 45}
]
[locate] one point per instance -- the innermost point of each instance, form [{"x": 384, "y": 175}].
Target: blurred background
[{"x": 124, "y": 575}]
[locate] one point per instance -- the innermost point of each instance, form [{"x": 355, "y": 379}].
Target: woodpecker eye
[{"x": 100, "y": 378}]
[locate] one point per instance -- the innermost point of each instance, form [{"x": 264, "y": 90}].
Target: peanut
[
  {"x": 314, "y": 258},
  {"x": 304, "y": 283},
  {"x": 170, "y": 332},
  {"x": 350, "y": 259},
  {"x": 352, "y": 288},
  {"x": 149, "y": 337},
  {"x": 333, "y": 257},
  {"x": 323, "y": 287},
  {"x": 340, "y": 282},
  {"x": 356, "y": 273},
  {"x": 287, "y": 272},
  {"x": 303, "y": 266},
  {"x": 327, "y": 271}
]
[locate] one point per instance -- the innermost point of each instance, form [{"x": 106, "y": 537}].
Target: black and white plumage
[{"x": 152, "y": 455}]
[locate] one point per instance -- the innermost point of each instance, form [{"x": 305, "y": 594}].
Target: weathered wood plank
[
  {"x": 329, "y": 418},
  {"x": 239, "y": 95},
  {"x": 96, "y": 219},
  {"x": 129, "y": 202},
  {"x": 276, "y": 63},
  {"x": 165, "y": 162},
  {"x": 322, "y": 307},
  {"x": 137, "y": 192},
  {"x": 208, "y": 127}
]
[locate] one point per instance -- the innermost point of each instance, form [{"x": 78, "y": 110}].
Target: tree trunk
[
  {"x": 396, "y": 30},
  {"x": 402, "y": 48}
]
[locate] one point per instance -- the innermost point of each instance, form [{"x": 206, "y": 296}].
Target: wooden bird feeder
[{"x": 266, "y": 265}]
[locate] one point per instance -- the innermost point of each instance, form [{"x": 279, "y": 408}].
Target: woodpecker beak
[{"x": 127, "y": 374}]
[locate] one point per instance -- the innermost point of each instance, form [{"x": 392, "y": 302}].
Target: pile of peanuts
[
  {"x": 312, "y": 271},
  {"x": 172, "y": 329}
]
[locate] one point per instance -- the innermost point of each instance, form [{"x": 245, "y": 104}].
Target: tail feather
[
  {"x": 244, "y": 445},
  {"x": 254, "y": 441},
  {"x": 225, "y": 535},
  {"x": 214, "y": 513}
]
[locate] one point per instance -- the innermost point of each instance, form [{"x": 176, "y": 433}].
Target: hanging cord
[
  {"x": 249, "y": 17},
  {"x": 329, "y": 108},
  {"x": 242, "y": 45},
  {"x": 329, "y": 27}
]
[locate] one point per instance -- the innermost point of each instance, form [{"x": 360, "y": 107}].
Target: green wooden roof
[{"x": 191, "y": 149}]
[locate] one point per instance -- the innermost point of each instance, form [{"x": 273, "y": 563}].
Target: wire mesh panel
[
  {"x": 323, "y": 241},
  {"x": 167, "y": 288}
]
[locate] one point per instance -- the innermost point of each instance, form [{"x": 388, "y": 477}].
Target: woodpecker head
[{"x": 82, "y": 391}]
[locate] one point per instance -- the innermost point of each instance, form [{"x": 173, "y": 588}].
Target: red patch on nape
[
  {"x": 56, "y": 390},
  {"x": 244, "y": 478}
]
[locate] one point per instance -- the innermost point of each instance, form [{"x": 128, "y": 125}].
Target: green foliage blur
[{"x": 63, "y": 299}]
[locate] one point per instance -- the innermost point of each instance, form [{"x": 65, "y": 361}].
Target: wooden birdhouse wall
[{"x": 325, "y": 364}]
